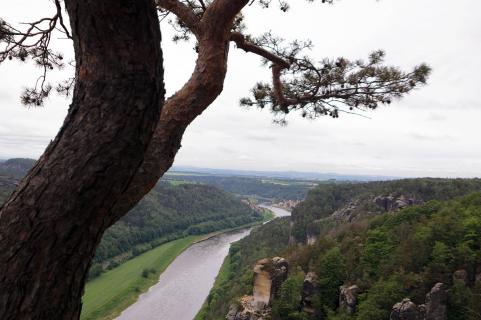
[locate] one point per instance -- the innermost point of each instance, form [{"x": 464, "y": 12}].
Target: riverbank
[
  {"x": 267, "y": 215},
  {"x": 225, "y": 272},
  {"x": 113, "y": 291},
  {"x": 220, "y": 281},
  {"x": 109, "y": 294}
]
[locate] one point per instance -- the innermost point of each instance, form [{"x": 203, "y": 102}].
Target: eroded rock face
[
  {"x": 406, "y": 310},
  {"x": 246, "y": 312},
  {"x": 269, "y": 274},
  {"x": 346, "y": 214},
  {"x": 262, "y": 285},
  {"x": 348, "y": 298},
  {"x": 309, "y": 288},
  {"x": 436, "y": 303},
  {"x": 278, "y": 274},
  {"x": 392, "y": 203}
]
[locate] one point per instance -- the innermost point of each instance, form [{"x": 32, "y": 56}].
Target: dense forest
[
  {"x": 167, "y": 213},
  {"x": 329, "y": 204},
  {"x": 268, "y": 188},
  {"x": 386, "y": 255}
]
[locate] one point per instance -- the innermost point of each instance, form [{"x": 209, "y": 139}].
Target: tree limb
[
  {"x": 183, "y": 12},
  {"x": 34, "y": 44},
  {"x": 242, "y": 42}
]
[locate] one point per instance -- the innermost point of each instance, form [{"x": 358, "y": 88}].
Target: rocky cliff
[{"x": 269, "y": 274}]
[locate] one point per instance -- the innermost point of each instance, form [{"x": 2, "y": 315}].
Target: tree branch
[
  {"x": 329, "y": 87},
  {"x": 34, "y": 44},
  {"x": 279, "y": 64},
  {"x": 221, "y": 13},
  {"x": 243, "y": 43},
  {"x": 183, "y": 12}
]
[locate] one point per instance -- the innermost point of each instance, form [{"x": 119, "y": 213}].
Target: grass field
[{"x": 106, "y": 296}]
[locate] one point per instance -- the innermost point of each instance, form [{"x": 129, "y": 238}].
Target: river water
[{"x": 185, "y": 284}]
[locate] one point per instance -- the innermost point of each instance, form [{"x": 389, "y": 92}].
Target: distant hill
[
  {"x": 247, "y": 186},
  {"x": 284, "y": 174},
  {"x": 17, "y": 167}
]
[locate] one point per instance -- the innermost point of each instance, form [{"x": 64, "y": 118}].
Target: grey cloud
[
  {"x": 430, "y": 136},
  {"x": 435, "y": 117},
  {"x": 226, "y": 150},
  {"x": 261, "y": 138},
  {"x": 5, "y": 96}
]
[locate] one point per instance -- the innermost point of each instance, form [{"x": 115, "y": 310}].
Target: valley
[{"x": 350, "y": 250}]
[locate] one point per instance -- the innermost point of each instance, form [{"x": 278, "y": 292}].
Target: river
[{"x": 185, "y": 284}]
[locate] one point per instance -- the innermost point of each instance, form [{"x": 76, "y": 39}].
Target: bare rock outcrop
[
  {"x": 309, "y": 289},
  {"x": 246, "y": 311},
  {"x": 395, "y": 203},
  {"x": 269, "y": 274},
  {"x": 436, "y": 303},
  {"x": 278, "y": 274},
  {"x": 406, "y": 310},
  {"x": 346, "y": 214},
  {"x": 348, "y": 298},
  {"x": 262, "y": 285},
  {"x": 433, "y": 309}
]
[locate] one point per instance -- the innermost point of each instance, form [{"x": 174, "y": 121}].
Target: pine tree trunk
[{"x": 51, "y": 225}]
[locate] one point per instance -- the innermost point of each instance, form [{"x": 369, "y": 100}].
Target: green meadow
[{"x": 107, "y": 295}]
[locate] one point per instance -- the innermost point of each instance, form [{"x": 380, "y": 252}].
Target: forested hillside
[
  {"x": 16, "y": 167},
  {"x": 169, "y": 212},
  {"x": 427, "y": 251},
  {"x": 330, "y": 204}
]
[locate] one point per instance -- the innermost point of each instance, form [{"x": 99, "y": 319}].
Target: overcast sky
[{"x": 435, "y": 131}]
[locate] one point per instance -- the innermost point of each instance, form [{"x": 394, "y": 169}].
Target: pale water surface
[{"x": 185, "y": 284}]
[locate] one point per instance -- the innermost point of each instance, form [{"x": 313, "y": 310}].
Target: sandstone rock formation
[
  {"x": 436, "y": 303},
  {"x": 309, "y": 288},
  {"x": 246, "y": 311},
  {"x": 406, "y": 310},
  {"x": 278, "y": 274},
  {"x": 433, "y": 309},
  {"x": 395, "y": 203},
  {"x": 269, "y": 274},
  {"x": 348, "y": 298},
  {"x": 262, "y": 285},
  {"x": 346, "y": 214}
]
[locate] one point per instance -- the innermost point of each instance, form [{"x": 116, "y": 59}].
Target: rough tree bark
[{"x": 52, "y": 223}]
